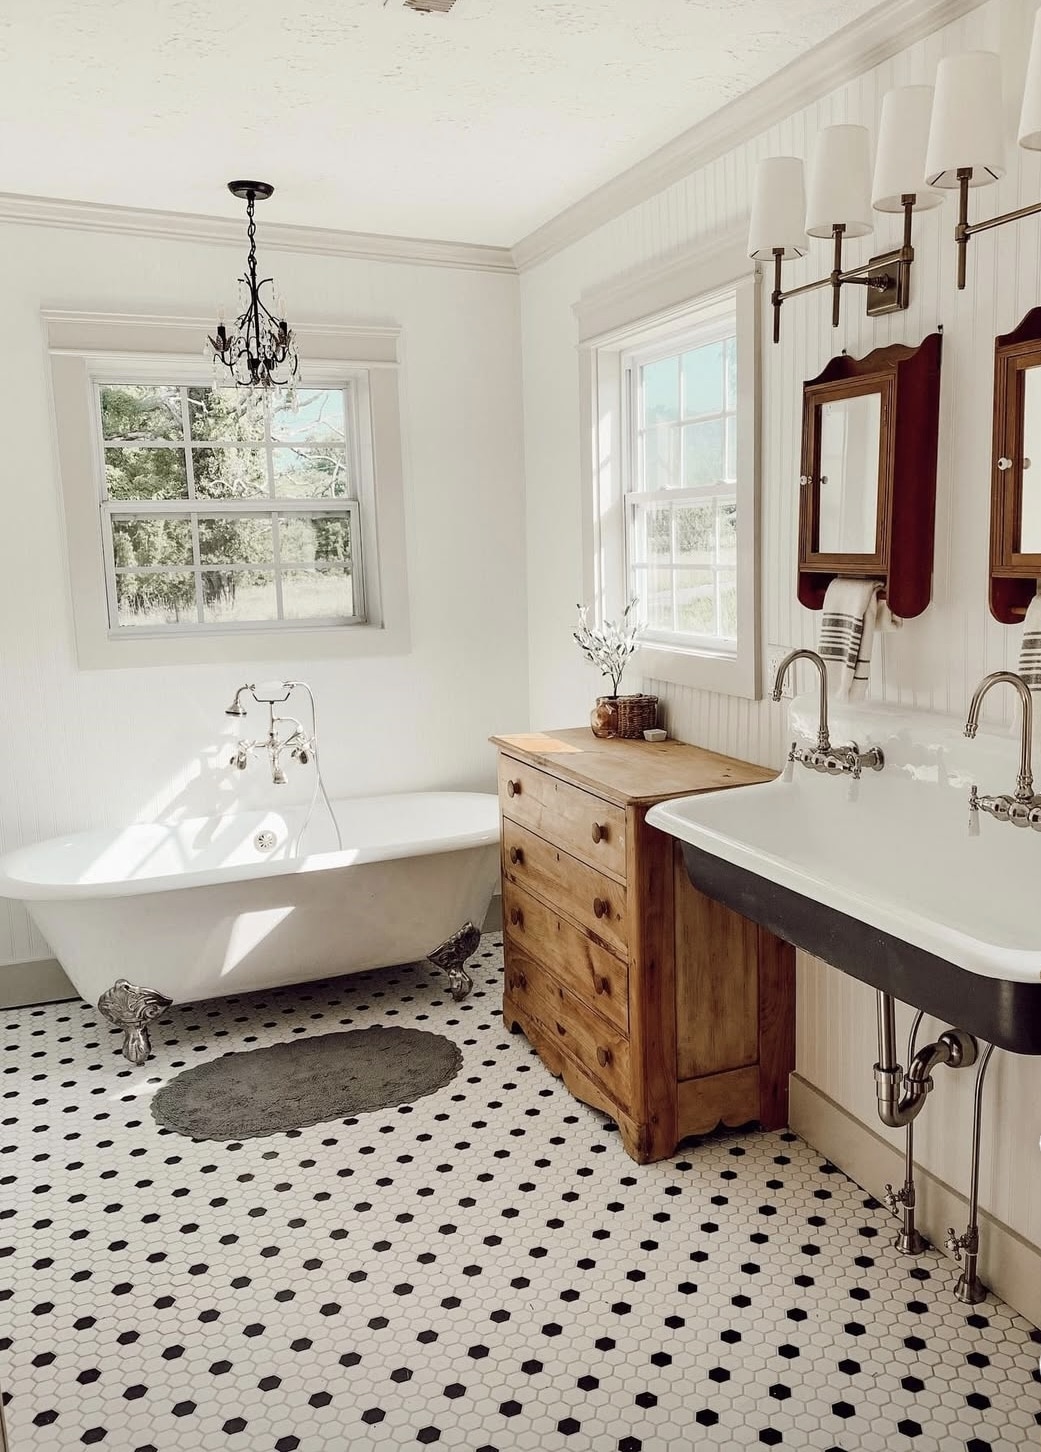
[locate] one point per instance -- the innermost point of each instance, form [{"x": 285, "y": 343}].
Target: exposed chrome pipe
[
  {"x": 965, "y": 1248},
  {"x": 909, "y": 1241},
  {"x": 901, "y": 1097}
]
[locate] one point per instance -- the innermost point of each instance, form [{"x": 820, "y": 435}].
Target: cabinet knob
[
  {"x": 516, "y": 855},
  {"x": 601, "y": 984},
  {"x": 516, "y": 917},
  {"x": 599, "y": 832},
  {"x": 513, "y": 788},
  {"x": 561, "y": 1029},
  {"x": 1004, "y": 463},
  {"x": 518, "y": 981},
  {"x": 601, "y": 907},
  {"x": 603, "y": 1056}
]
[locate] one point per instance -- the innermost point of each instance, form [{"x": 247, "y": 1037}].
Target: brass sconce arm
[
  {"x": 966, "y": 229},
  {"x": 888, "y": 275}
]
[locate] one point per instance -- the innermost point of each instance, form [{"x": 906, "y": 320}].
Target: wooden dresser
[{"x": 653, "y": 1002}]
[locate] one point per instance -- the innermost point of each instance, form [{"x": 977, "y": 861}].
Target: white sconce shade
[
  {"x": 1030, "y": 115},
  {"x": 903, "y": 134},
  {"x": 966, "y": 133},
  {"x": 778, "y": 209},
  {"x": 840, "y": 182}
]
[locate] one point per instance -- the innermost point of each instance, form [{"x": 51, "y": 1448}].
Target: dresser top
[{"x": 643, "y": 772}]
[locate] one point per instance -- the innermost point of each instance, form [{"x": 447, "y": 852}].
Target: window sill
[
  {"x": 728, "y": 675},
  {"x": 100, "y": 650}
]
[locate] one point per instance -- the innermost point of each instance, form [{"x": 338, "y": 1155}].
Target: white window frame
[
  {"x": 668, "y": 344},
  {"x": 617, "y": 323},
  {"x": 359, "y": 473},
  {"x": 87, "y": 349}
]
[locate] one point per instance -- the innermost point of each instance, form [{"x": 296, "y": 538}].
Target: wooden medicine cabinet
[
  {"x": 868, "y": 483},
  {"x": 1015, "y": 498}
]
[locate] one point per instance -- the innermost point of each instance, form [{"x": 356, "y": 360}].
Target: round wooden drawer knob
[
  {"x": 599, "y": 832},
  {"x": 518, "y": 981},
  {"x": 513, "y": 788},
  {"x": 603, "y": 1057},
  {"x": 601, "y": 907},
  {"x": 516, "y": 855},
  {"x": 601, "y": 984},
  {"x": 516, "y": 917}
]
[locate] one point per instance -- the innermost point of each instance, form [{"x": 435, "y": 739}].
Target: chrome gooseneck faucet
[
  {"x": 1022, "y": 808},
  {"x": 835, "y": 760}
]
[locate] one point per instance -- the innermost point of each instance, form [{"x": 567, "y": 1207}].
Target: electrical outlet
[{"x": 774, "y": 656}]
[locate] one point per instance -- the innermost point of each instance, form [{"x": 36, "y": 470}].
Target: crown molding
[
  {"x": 228, "y": 231},
  {"x": 849, "y": 53}
]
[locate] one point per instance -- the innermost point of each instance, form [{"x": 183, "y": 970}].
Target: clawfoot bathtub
[{"x": 222, "y": 905}]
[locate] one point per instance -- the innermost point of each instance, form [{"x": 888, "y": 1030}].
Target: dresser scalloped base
[{"x": 730, "y": 1099}]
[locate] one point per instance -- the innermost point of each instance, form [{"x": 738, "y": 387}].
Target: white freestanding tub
[{"x": 221, "y": 905}]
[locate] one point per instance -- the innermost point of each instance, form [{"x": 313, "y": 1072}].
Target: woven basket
[{"x": 636, "y": 714}]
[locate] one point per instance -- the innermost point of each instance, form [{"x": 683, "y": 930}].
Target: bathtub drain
[{"x": 264, "y": 841}]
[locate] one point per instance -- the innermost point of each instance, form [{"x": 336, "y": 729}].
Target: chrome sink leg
[
  {"x": 965, "y": 1248},
  {"x": 909, "y": 1240}
]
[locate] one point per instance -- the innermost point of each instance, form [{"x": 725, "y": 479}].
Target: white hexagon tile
[{"x": 484, "y": 1269}]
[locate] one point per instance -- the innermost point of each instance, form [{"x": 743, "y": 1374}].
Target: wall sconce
[
  {"x": 840, "y": 201},
  {"x": 966, "y": 139}
]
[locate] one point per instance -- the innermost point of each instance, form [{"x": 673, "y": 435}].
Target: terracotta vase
[{"x": 603, "y": 719}]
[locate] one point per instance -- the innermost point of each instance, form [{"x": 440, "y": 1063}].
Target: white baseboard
[
  {"x": 1009, "y": 1265},
  {"x": 41, "y": 980}
]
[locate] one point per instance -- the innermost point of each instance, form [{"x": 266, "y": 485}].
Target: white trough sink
[{"x": 885, "y": 881}]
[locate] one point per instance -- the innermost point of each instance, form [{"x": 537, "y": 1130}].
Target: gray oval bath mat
[{"x": 305, "y": 1081}]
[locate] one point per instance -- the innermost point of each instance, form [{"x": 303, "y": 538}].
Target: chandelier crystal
[{"x": 258, "y": 349}]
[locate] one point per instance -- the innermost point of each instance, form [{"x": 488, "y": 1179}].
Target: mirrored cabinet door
[
  {"x": 850, "y": 444},
  {"x": 868, "y": 482},
  {"x": 1015, "y": 520}
]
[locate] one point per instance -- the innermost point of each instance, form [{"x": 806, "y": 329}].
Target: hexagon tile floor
[{"x": 483, "y": 1270}]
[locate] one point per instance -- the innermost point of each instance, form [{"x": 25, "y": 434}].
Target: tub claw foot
[
  {"x": 451, "y": 956},
  {"x": 132, "y": 1009}
]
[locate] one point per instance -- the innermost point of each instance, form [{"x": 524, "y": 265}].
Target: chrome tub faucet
[
  {"x": 1022, "y": 808},
  {"x": 824, "y": 757},
  {"x": 296, "y": 741}
]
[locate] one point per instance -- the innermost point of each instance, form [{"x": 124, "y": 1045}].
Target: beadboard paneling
[{"x": 935, "y": 661}]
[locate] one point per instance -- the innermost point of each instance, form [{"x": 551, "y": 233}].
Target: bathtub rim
[{"x": 28, "y": 890}]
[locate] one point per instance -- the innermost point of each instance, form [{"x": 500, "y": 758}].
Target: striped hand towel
[
  {"x": 1030, "y": 648},
  {"x": 847, "y": 634}
]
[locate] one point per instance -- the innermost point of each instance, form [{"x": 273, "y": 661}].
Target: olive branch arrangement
[{"x": 610, "y": 645}]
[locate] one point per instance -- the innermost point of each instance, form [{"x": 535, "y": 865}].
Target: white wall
[
  {"x": 86, "y": 748},
  {"x": 937, "y": 659}
]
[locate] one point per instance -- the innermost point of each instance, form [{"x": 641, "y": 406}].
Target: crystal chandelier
[{"x": 258, "y": 349}]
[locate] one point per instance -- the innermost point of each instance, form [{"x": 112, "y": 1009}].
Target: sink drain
[{"x": 264, "y": 841}]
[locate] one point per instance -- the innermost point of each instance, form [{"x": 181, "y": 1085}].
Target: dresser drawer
[
  {"x": 587, "y": 897},
  {"x": 595, "y": 1045},
  {"x": 584, "y": 825},
  {"x": 595, "y": 976}
]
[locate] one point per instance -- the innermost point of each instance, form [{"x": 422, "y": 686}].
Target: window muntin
[
  {"x": 225, "y": 510},
  {"x": 681, "y": 487}
]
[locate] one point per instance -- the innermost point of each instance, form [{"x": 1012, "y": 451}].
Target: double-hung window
[
  {"x": 226, "y": 509},
  {"x": 670, "y": 376},
  {"x": 211, "y": 524},
  {"x": 681, "y": 488}
]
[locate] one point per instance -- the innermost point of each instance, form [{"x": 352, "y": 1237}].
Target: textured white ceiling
[{"x": 474, "y": 126}]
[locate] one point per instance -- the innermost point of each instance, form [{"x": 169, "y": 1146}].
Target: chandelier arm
[{"x": 261, "y": 341}]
